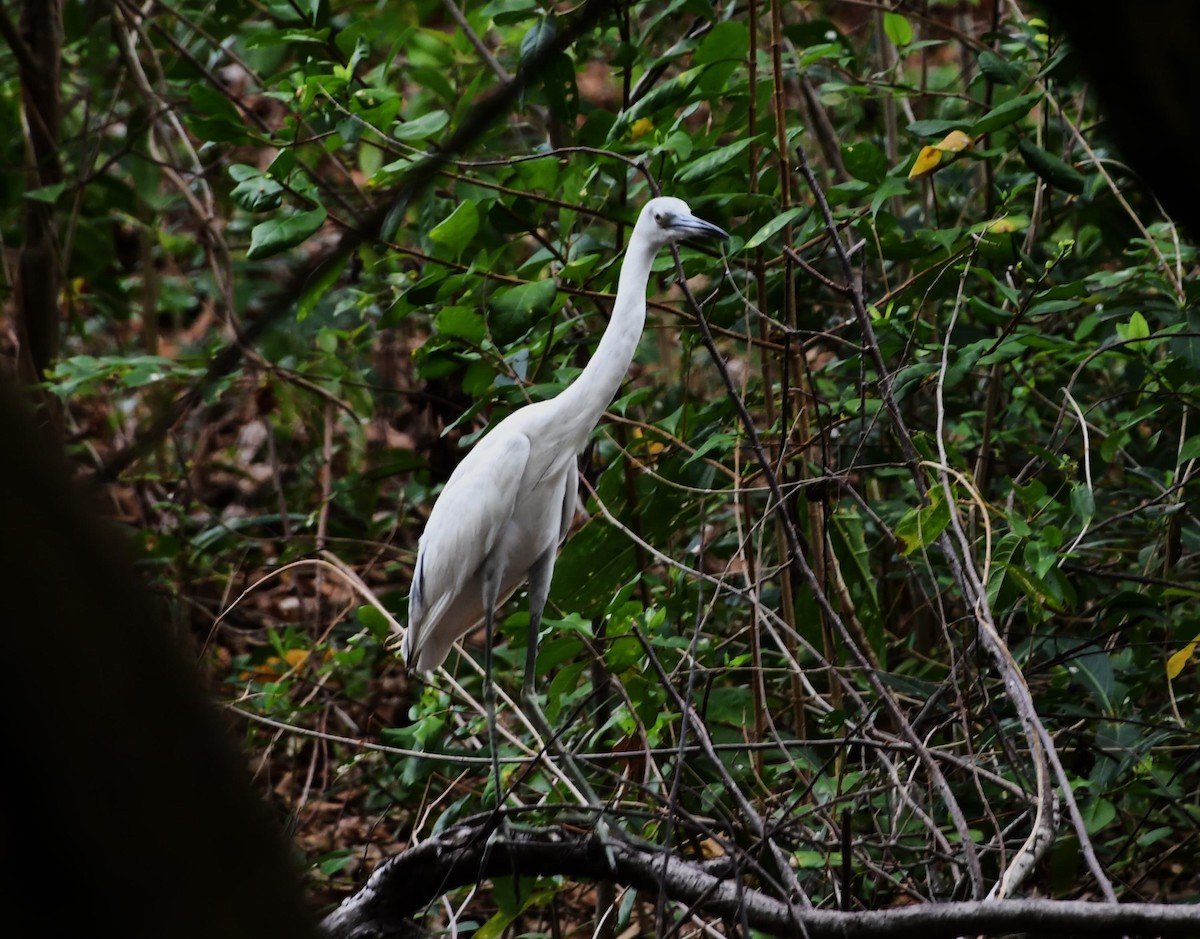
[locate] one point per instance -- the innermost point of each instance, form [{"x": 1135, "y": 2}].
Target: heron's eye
[{"x": 658, "y": 217}]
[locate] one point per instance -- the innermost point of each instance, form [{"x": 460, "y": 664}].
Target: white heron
[{"x": 509, "y": 504}]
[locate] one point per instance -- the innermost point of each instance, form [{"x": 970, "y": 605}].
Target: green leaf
[
  {"x": 1092, "y": 668},
  {"x": 864, "y": 160},
  {"x": 535, "y": 297},
  {"x": 711, "y": 163},
  {"x": 1004, "y": 114},
  {"x": 558, "y": 85},
  {"x": 935, "y": 127},
  {"x": 463, "y": 322},
  {"x": 728, "y": 40},
  {"x": 540, "y": 34},
  {"x": 1056, "y": 172},
  {"x": 1134, "y": 332},
  {"x": 375, "y": 622},
  {"x": 327, "y": 341},
  {"x": 255, "y": 192},
  {"x": 318, "y": 284},
  {"x": 664, "y": 97},
  {"x": 721, "y": 442},
  {"x": 777, "y": 224},
  {"x": 48, "y": 194},
  {"x": 514, "y": 309},
  {"x": 898, "y": 29},
  {"x": 215, "y": 117},
  {"x": 1190, "y": 450},
  {"x": 1097, "y": 814},
  {"x": 336, "y": 861},
  {"x": 623, "y": 651},
  {"x": 421, "y": 128},
  {"x": 999, "y": 70},
  {"x": 1138, "y": 328},
  {"x": 1034, "y": 588},
  {"x": 1154, "y": 836},
  {"x": 561, "y": 686},
  {"x": 281, "y": 167},
  {"x": 288, "y": 37},
  {"x": 920, "y": 527},
  {"x": 1083, "y": 503},
  {"x": 279, "y": 234},
  {"x": 722, "y": 52},
  {"x": 457, "y": 229}
]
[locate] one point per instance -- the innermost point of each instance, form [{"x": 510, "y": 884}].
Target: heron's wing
[
  {"x": 570, "y": 501},
  {"x": 466, "y": 522}
]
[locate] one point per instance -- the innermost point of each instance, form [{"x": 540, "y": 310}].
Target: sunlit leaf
[
  {"x": 936, "y": 155},
  {"x": 898, "y": 29},
  {"x": 928, "y": 160},
  {"x": 954, "y": 142},
  {"x": 1176, "y": 663},
  {"x": 1136, "y": 329}
]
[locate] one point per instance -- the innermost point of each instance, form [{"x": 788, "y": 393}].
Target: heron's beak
[{"x": 698, "y": 228}]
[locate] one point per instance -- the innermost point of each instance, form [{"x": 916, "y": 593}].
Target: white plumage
[{"x": 509, "y": 504}]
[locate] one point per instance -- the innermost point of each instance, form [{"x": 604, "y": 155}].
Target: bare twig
[{"x": 798, "y": 560}]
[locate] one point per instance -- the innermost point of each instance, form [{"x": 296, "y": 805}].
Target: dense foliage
[{"x": 957, "y": 372}]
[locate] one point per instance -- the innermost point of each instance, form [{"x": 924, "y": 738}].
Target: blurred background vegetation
[{"x": 984, "y": 431}]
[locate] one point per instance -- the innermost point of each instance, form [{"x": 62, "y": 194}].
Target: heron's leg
[
  {"x": 539, "y": 590},
  {"x": 491, "y": 593}
]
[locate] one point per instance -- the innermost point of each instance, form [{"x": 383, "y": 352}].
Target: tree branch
[
  {"x": 37, "y": 46},
  {"x": 406, "y": 884}
]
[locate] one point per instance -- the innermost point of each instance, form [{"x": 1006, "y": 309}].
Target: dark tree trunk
[
  {"x": 124, "y": 808},
  {"x": 1142, "y": 61},
  {"x": 37, "y": 47}
]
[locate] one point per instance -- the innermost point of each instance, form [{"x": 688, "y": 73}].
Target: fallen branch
[{"x": 404, "y": 885}]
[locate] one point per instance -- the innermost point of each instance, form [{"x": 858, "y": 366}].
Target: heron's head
[{"x": 665, "y": 219}]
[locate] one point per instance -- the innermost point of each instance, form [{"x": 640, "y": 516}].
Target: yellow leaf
[
  {"x": 954, "y": 142},
  {"x": 641, "y": 127},
  {"x": 295, "y": 657},
  {"x": 928, "y": 160},
  {"x": 1003, "y": 226},
  {"x": 269, "y": 670},
  {"x": 1176, "y": 662}
]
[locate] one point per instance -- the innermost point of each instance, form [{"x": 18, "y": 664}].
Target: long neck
[{"x": 591, "y": 392}]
